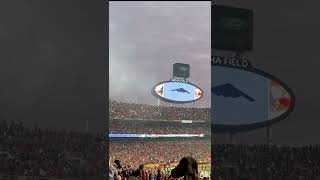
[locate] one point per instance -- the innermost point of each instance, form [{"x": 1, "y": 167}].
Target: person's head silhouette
[{"x": 188, "y": 168}]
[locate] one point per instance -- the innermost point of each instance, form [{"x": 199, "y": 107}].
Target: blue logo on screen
[
  {"x": 181, "y": 90},
  {"x": 228, "y": 90}
]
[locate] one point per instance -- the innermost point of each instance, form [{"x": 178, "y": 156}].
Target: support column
[
  {"x": 269, "y": 135},
  {"x": 232, "y": 138}
]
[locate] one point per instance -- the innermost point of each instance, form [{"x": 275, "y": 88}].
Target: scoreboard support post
[
  {"x": 232, "y": 138},
  {"x": 269, "y": 135}
]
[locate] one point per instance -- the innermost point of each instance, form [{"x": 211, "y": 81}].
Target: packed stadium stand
[
  {"x": 120, "y": 110},
  {"x": 159, "y": 153},
  {"x": 162, "y": 154},
  {"x": 139, "y": 118},
  {"x": 266, "y": 162},
  {"x": 49, "y": 153},
  {"x": 157, "y": 127},
  {"x": 144, "y": 151}
]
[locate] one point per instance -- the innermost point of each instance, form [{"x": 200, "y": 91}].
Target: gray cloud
[{"x": 146, "y": 38}]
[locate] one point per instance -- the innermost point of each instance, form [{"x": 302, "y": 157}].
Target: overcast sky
[{"x": 146, "y": 38}]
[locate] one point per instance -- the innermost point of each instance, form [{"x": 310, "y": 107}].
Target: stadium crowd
[
  {"x": 231, "y": 162},
  {"x": 133, "y": 153},
  {"x": 266, "y": 162},
  {"x": 142, "y": 151},
  {"x": 157, "y": 127},
  {"x": 120, "y": 110},
  {"x": 41, "y": 152}
]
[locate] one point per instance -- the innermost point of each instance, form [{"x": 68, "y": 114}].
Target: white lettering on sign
[
  {"x": 180, "y": 80},
  {"x": 230, "y": 61}
]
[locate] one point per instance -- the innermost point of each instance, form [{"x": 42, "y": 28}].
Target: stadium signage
[
  {"x": 153, "y": 135},
  {"x": 177, "y": 92},
  {"x": 179, "y": 80},
  {"x": 230, "y": 61},
  {"x": 186, "y": 121},
  {"x": 247, "y": 98}
]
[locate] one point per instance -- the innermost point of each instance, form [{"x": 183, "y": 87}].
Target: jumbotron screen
[
  {"x": 177, "y": 92},
  {"x": 244, "y": 96}
]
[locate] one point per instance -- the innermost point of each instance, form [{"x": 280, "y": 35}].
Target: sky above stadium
[{"x": 146, "y": 38}]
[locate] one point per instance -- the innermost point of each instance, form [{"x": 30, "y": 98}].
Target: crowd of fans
[
  {"x": 38, "y": 152},
  {"x": 119, "y": 110},
  {"x": 145, "y": 151},
  {"x": 231, "y": 162},
  {"x": 144, "y": 119},
  {"x": 157, "y": 127},
  {"x": 118, "y": 171},
  {"x": 266, "y": 162}
]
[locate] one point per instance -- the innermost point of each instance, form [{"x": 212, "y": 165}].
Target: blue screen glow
[{"x": 177, "y": 91}]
